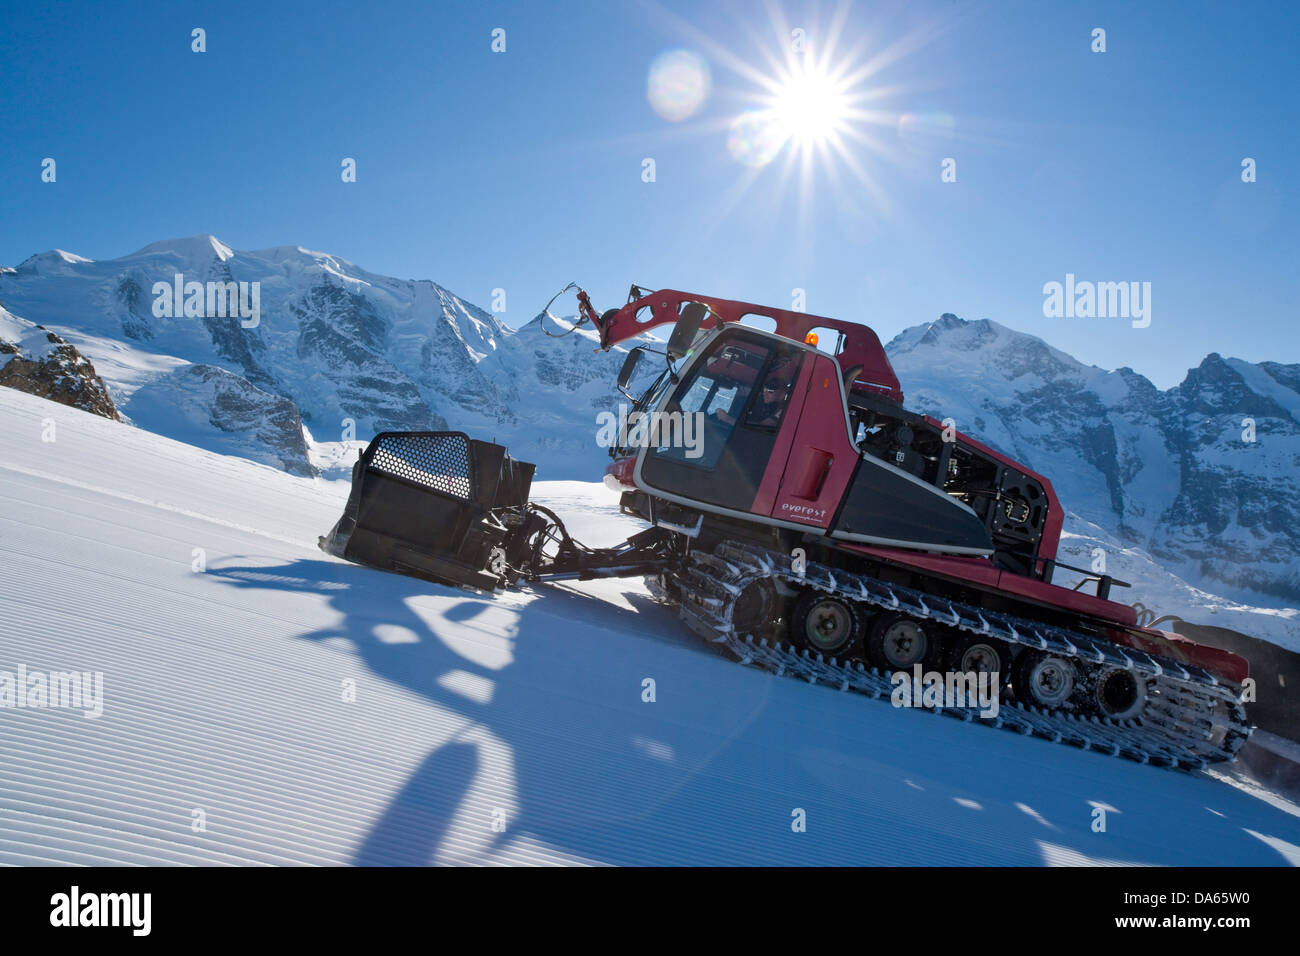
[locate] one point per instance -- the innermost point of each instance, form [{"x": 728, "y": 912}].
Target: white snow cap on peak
[
  {"x": 69, "y": 257},
  {"x": 302, "y": 253},
  {"x": 200, "y": 246},
  {"x": 54, "y": 257}
]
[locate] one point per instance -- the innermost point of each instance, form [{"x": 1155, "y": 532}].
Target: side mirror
[
  {"x": 688, "y": 324},
  {"x": 629, "y": 369}
]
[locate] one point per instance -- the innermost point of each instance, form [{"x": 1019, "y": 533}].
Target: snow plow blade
[{"x": 437, "y": 505}]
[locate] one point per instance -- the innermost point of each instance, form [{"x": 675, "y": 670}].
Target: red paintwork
[
  {"x": 861, "y": 346},
  {"x": 765, "y": 498},
  {"x": 621, "y": 471},
  {"x": 817, "y": 472},
  {"x": 1224, "y": 665},
  {"x": 981, "y": 572}
]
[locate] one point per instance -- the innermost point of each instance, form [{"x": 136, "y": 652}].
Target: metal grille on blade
[{"x": 440, "y": 462}]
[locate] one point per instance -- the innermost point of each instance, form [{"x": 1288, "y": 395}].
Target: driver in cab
[{"x": 767, "y": 408}]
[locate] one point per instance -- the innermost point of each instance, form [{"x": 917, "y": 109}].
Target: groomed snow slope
[{"x": 224, "y": 694}]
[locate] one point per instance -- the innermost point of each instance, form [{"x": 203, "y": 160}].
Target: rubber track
[{"x": 1191, "y": 718}]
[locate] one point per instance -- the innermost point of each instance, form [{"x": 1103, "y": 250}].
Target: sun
[
  {"x": 819, "y": 106},
  {"x": 804, "y": 107},
  {"x": 809, "y": 106}
]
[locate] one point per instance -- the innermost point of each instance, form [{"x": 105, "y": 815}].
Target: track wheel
[
  {"x": 1118, "y": 693},
  {"x": 980, "y": 655},
  {"x": 898, "y": 642},
  {"x": 827, "y": 624},
  {"x": 1044, "y": 680},
  {"x": 755, "y": 608}
]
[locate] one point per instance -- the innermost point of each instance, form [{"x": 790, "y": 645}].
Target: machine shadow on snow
[
  {"x": 869, "y": 783},
  {"x": 539, "y": 735}
]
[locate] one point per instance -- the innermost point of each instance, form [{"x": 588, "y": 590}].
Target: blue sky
[{"x": 522, "y": 170}]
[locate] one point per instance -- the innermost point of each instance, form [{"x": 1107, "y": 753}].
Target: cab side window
[
  {"x": 774, "y": 393},
  {"x": 718, "y": 392}
]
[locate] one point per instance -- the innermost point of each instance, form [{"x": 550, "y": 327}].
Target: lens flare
[
  {"x": 678, "y": 84},
  {"x": 925, "y": 129},
  {"x": 755, "y": 138}
]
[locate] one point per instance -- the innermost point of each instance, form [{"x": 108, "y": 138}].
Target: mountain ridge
[{"x": 339, "y": 353}]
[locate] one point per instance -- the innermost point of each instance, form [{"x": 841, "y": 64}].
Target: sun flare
[
  {"x": 817, "y": 108},
  {"x": 809, "y": 107}
]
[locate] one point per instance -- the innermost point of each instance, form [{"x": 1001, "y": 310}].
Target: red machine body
[{"x": 815, "y": 462}]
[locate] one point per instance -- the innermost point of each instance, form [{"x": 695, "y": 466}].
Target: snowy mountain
[
  {"x": 1182, "y": 473},
  {"x": 233, "y": 352}
]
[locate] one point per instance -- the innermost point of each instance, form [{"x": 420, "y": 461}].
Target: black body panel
[{"x": 882, "y": 503}]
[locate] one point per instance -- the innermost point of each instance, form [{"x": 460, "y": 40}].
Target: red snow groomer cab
[{"x": 802, "y": 518}]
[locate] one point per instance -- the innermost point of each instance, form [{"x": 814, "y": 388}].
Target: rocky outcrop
[{"x": 36, "y": 360}]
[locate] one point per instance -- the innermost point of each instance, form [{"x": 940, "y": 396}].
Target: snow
[
  {"x": 127, "y": 368},
  {"x": 224, "y": 695},
  {"x": 334, "y": 458},
  {"x": 53, "y": 262},
  {"x": 194, "y": 247},
  {"x": 1261, "y": 383},
  {"x": 1163, "y": 592},
  {"x": 33, "y": 342}
]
